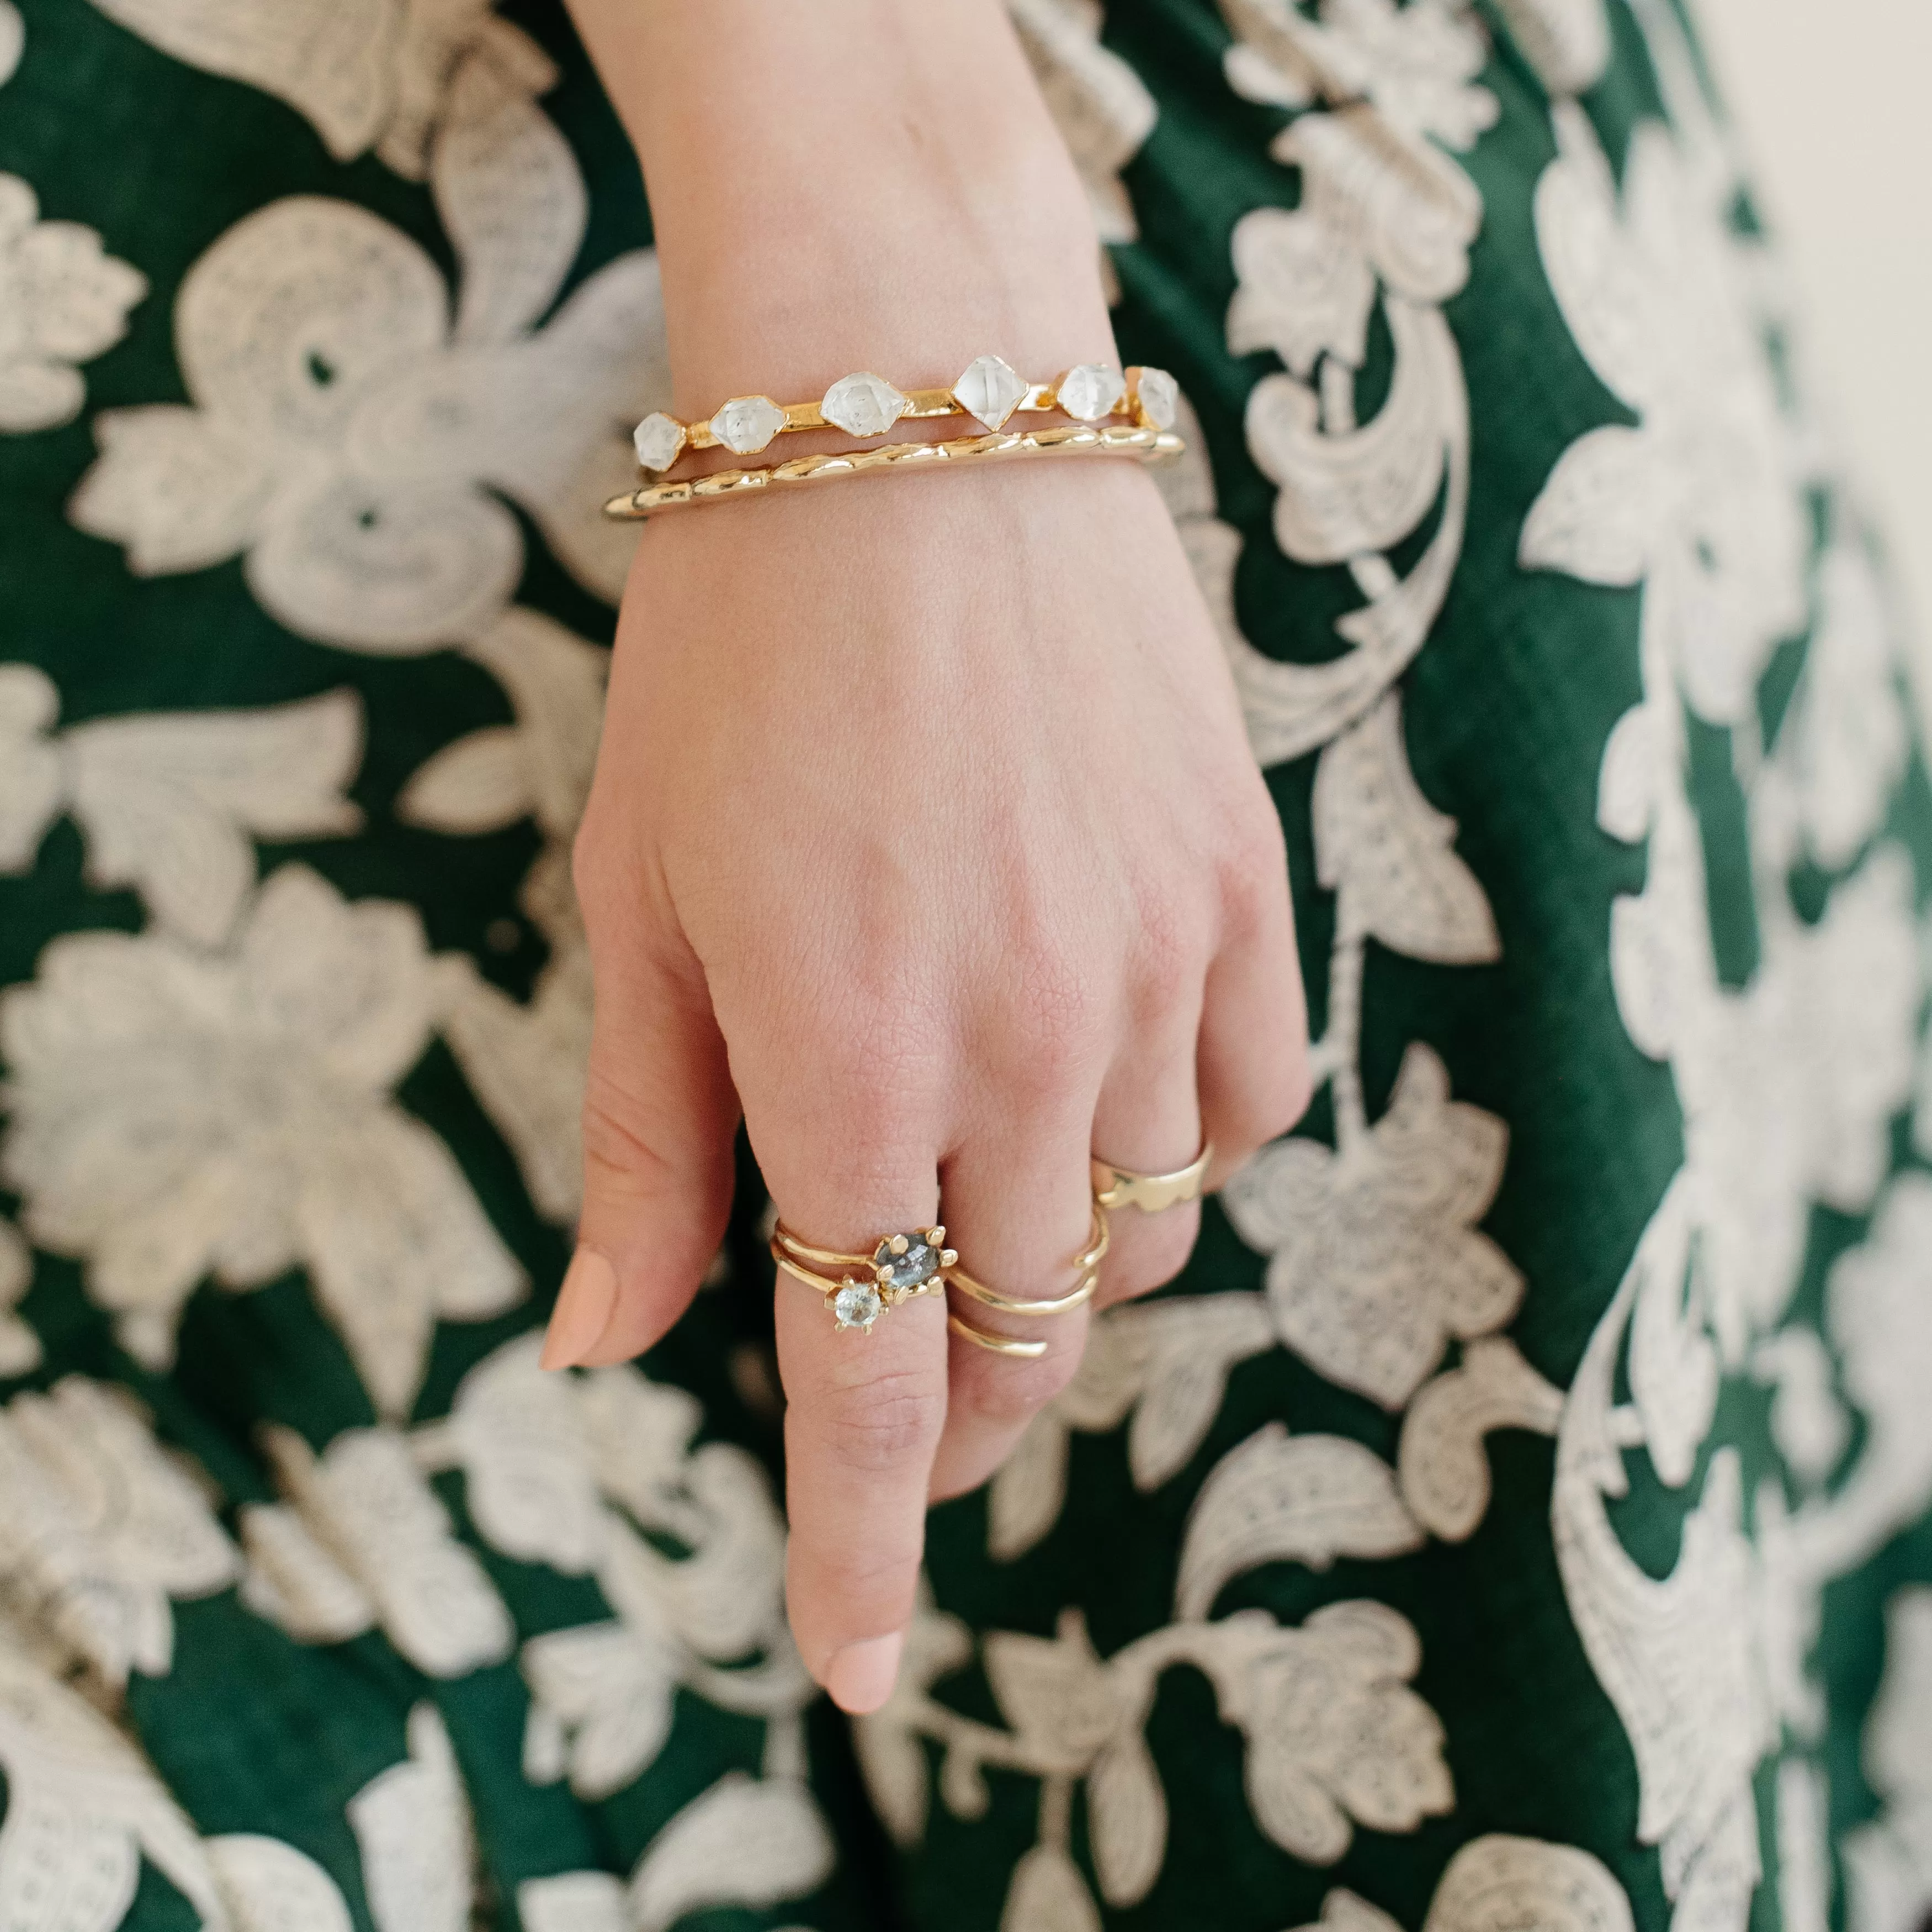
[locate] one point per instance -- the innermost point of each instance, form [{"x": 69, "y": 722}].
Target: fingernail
[
  {"x": 861, "y": 1676},
  {"x": 582, "y": 1311}
]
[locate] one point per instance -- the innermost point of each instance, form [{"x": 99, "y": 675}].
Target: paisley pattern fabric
[{"x": 1518, "y": 1515}]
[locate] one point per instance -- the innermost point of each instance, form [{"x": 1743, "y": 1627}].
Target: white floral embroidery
[
  {"x": 412, "y": 1823},
  {"x": 170, "y": 803},
  {"x": 63, "y": 301},
  {"x": 525, "y": 1063},
  {"x": 177, "y": 1115},
  {"x": 367, "y": 73},
  {"x": 1495, "y": 1882},
  {"x": 1889, "y": 1861},
  {"x": 580, "y": 1472},
  {"x": 1697, "y": 499},
  {"x": 1790, "y": 1084},
  {"x": 1566, "y": 41},
  {"x": 352, "y": 441},
  {"x": 101, "y": 1530},
  {"x": 1334, "y": 1737},
  {"x": 744, "y": 1842},
  {"x": 83, "y": 1811},
  {"x": 363, "y": 1540},
  {"x": 19, "y": 1346},
  {"x": 13, "y": 39},
  {"x": 1376, "y": 1260}
]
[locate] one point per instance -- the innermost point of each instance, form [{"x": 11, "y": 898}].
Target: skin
[{"x": 924, "y": 829}]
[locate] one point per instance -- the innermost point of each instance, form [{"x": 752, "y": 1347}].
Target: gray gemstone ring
[{"x": 898, "y": 1268}]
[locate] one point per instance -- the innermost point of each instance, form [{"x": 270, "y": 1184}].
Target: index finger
[{"x": 864, "y": 1413}]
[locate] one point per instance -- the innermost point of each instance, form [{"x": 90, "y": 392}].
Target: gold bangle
[
  {"x": 989, "y": 389},
  {"x": 996, "y": 1345},
  {"x": 1151, "y": 1193},
  {"x": 1144, "y": 446}
]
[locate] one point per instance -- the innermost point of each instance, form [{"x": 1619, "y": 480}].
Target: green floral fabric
[{"x": 1520, "y": 1514}]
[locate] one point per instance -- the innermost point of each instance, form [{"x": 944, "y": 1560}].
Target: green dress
[{"x": 1518, "y": 1516}]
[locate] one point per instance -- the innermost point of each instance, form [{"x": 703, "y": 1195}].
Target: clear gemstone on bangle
[
  {"x": 746, "y": 423},
  {"x": 657, "y": 439},
  {"x": 857, "y": 1305},
  {"x": 1158, "y": 397},
  {"x": 1090, "y": 391},
  {"x": 990, "y": 390},
  {"x": 863, "y": 405}
]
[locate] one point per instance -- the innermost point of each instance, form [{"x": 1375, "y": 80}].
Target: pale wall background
[{"x": 1832, "y": 98}]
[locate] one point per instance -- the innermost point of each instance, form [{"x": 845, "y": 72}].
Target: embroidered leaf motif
[
  {"x": 1390, "y": 854},
  {"x": 366, "y": 1503},
  {"x": 1289, "y": 1498},
  {"x": 584, "y": 1901},
  {"x": 1596, "y": 516},
  {"x": 1047, "y": 1893},
  {"x": 411, "y": 1822},
  {"x": 1445, "y": 1471},
  {"x": 743, "y": 1842},
  {"x": 1519, "y": 1881},
  {"x": 607, "y": 1690},
  {"x": 1357, "y": 492},
  {"x": 31, "y": 779},
  {"x": 1126, "y": 1819},
  {"x": 269, "y": 1886}
]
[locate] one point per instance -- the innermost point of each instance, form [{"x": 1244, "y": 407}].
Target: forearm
[{"x": 848, "y": 184}]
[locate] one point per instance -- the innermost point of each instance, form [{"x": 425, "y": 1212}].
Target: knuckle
[
  {"x": 1169, "y": 962},
  {"x": 882, "y": 1423},
  {"x": 1055, "y": 1027},
  {"x": 1008, "y": 1391}
]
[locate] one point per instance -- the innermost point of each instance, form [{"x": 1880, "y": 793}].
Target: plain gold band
[
  {"x": 1144, "y": 446},
  {"x": 1151, "y": 1193},
  {"x": 1099, "y": 1236},
  {"x": 997, "y": 1344},
  {"x": 1009, "y": 1304}
]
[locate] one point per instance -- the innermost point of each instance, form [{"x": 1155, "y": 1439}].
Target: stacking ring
[
  {"x": 898, "y": 1268},
  {"x": 1151, "y": 1193},
  {"x": 1086, "y": 1264}
]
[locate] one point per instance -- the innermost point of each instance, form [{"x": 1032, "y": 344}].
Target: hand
[{"x": 924, "y": 826}]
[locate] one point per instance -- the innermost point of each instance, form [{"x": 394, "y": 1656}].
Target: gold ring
[
  {"x": 900, "y": 1267},
  {"x": 1151, "y": 1193},
  {"x": 1087, "y": 1262},
  {"x": 997, "y": 1344}
]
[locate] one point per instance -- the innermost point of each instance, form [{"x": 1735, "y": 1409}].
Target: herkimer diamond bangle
[{"x": 989, "y": 390}]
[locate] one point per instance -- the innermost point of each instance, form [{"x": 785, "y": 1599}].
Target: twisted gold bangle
[{"x": 1144, "y": 446}]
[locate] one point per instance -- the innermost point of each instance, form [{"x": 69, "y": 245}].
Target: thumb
[{"x": 659, "y": 1113}]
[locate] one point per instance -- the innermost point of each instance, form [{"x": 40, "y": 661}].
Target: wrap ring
[
  {"x": 898, "y": 1268},
  {"x": 1087, "y": 1264},
  {"x": 1151, "y": 1193}
]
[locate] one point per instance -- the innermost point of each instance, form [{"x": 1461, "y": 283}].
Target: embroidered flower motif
[
  {"x": 1376, "y": 1261},
  {"x": 1698, "y": 500},
  {"x": 63, "y": 301},
  {"x": 352, "y": 445},
  {"x": 177, "y": 1115},
  {"x": 100, "y": 1530}
]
